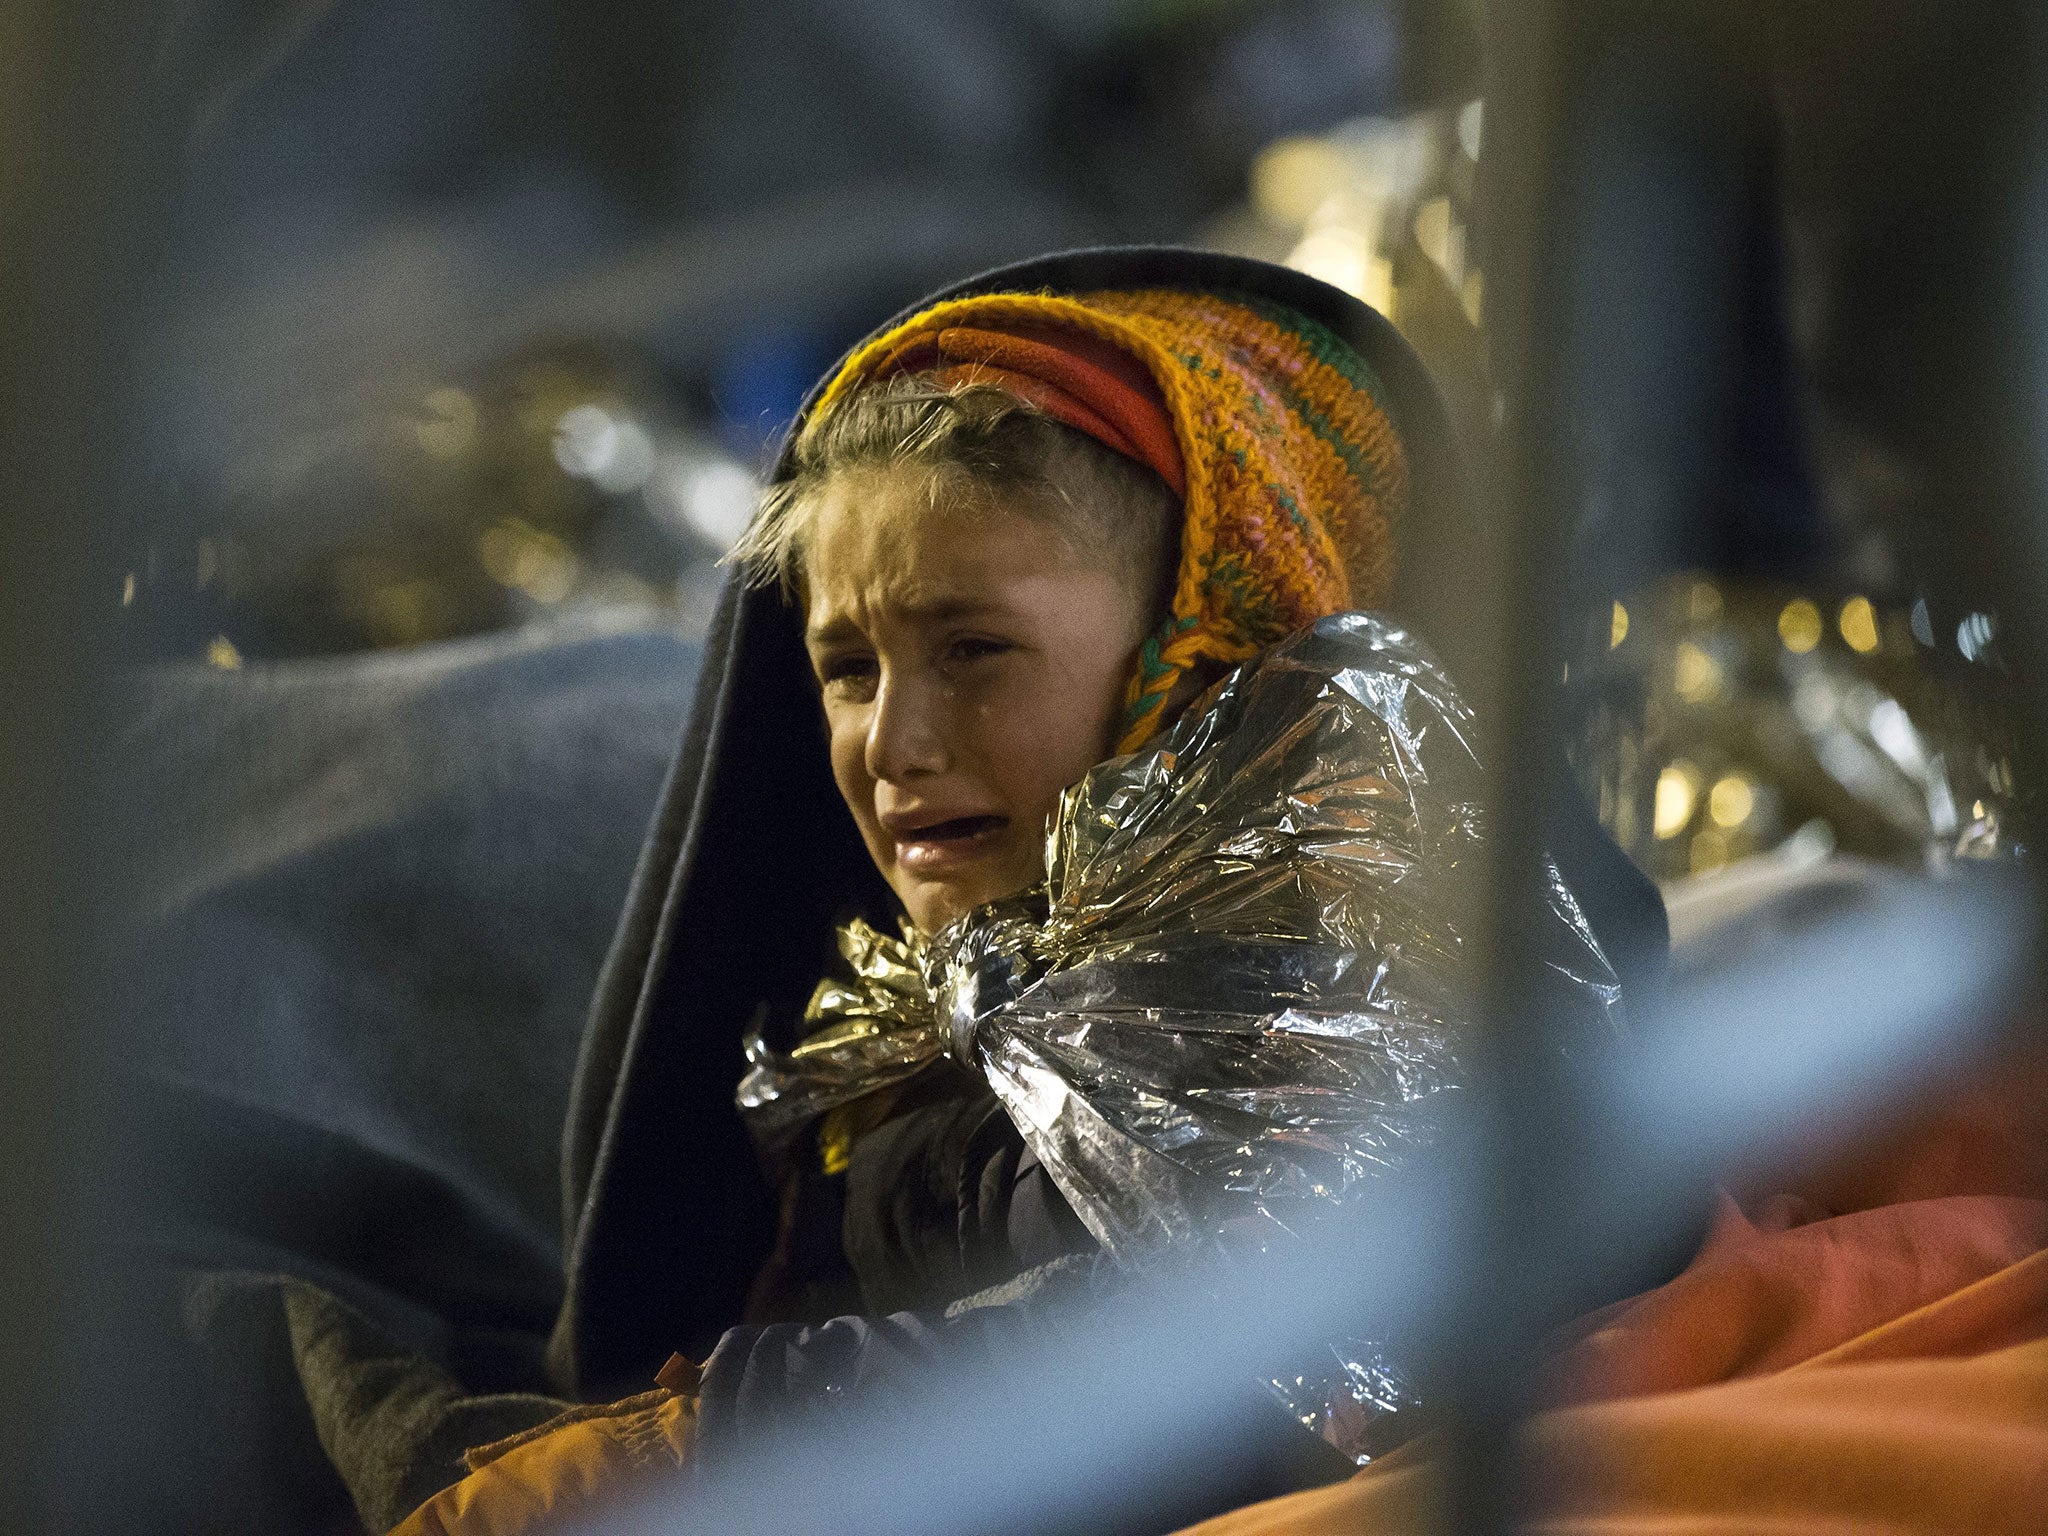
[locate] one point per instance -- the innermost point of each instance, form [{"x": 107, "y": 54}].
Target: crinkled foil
[
  {"x": 1242, "y": 986},
  {"x": 861, "y": 1034}
]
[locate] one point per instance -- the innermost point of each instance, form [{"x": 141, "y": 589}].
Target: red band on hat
[{"x": 1078, "y": 380}]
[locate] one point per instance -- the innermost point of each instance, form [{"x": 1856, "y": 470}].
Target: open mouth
[
  {"x": 959, "y": 830},
  {"x": 933, "y": 849}
]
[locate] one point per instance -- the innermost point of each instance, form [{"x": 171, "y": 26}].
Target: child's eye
[
  {"x": 975, "y": 647},
  {"x": 847, "y": 675}
]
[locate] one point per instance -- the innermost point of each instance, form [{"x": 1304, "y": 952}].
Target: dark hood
[{"x": 752, "y": 863}]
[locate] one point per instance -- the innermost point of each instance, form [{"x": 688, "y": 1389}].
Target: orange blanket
[{"x": 1881, "y": 1370}]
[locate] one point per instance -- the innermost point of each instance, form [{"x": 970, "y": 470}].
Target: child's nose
[{"x": 906, "y": 732}]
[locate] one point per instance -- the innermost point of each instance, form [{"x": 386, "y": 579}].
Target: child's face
[{"x": 973, "y": 665}]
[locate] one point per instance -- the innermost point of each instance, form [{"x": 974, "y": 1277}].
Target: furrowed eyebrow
[
  {"x": 830, "y": 634},
  {"x": 935, "y": 610}
]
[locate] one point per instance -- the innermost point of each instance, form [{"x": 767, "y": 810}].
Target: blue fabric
[{"x": 373, "y": 896}]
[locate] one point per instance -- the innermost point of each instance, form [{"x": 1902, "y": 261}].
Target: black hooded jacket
[{"x": 753, "y": 862}]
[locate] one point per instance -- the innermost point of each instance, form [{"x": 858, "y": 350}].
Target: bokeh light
[
  {"x": 1677, "y": 793},
  {"x": 1858, "y": 623},
  {"x": 1973, "y": 635},
  {"x": 1732, "y": 800},
  {"x": 518, "y": 555},
  {"x": 1799, "y": 626},
  {"x": 1921, "y": 623},
  {"x": 1701, "y": 724},
  {"x": 449, "y": 425},
  {"x": 1344, "y": 258},
  {"x": 609, "y": 450},
  {"x": 1293, "y": 177},
  {"x": 1696, "y": 676}
]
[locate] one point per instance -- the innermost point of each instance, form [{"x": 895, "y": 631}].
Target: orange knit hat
[{"x": 1290, "y": 471}]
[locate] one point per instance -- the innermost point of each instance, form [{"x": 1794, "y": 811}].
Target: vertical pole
[
  {"x": 77, "y": 169},
  {"x": 1614, "y": 165},
  {"x": 1520, "y": 516}
]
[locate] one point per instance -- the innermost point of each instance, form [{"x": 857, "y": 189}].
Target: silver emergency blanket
[{"x": 1242, "y": 985}]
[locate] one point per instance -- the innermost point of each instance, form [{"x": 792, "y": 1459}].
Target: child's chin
[{"x": 935, "y": 905}]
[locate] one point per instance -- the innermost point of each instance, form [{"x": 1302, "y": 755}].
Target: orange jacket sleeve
[{"x": 565, "y": 1471}]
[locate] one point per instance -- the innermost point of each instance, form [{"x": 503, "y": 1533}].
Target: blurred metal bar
[
  {"x": 39, "y": 79},
  {"x": 76, "y": 165},
  {"x": 1479, "y": 1369},
  {"x": 1612, "y": 227}
]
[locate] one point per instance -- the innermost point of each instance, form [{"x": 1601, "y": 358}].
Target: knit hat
[{"x": 1267, "y": 425}]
